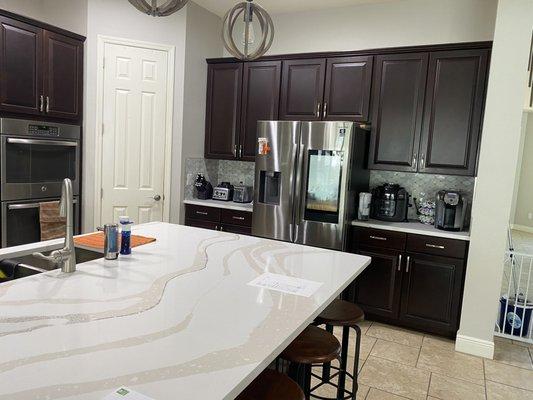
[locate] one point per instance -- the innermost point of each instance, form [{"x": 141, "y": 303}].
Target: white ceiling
[{"x": 220, "y": 7}]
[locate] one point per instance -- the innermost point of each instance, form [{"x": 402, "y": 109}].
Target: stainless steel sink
[
  {"x": 18, "y": 271},
  {"x": 82, "y": 256}
]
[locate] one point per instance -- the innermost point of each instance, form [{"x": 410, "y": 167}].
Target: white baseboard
[
  {"x": 522, "y": 228},
  {"x": 474, "y": 346}
]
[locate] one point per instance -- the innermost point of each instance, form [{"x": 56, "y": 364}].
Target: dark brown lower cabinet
[
  {"x": 378, "y": 289},
  {"x": 431, "y": 292},
  {"x": 218, "y": 219},
  {"x": 412, "y": 289}
]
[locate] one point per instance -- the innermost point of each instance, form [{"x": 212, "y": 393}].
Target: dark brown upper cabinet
[
  {"x": 260, "y": 101},
  {"x": 453, "y": 111},
  {"x": 397, "y": 106},
  {"x": 224, "y": 94},
  {"x": 21, "y": 78},
  {"x": 63, "y": 83},
  {"x": 347, "y": 91},
  {"x": 41, "y": 70},
  {"x": 302, "y": 90}
]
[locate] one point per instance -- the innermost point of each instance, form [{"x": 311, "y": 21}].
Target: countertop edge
[
  {"x": 414, "y": 228},
  {"x": 246, "y": 207}
]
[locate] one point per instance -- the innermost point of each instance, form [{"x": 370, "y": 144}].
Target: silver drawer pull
[
  {"x": 238, "y": 218},
  {"x": 378, "y": 238},
  {"x": 434, "y": 246},
  {"x": 201, "y": 213},
  {"x": 399, "y": 263}
]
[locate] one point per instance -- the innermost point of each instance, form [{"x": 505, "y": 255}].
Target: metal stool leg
[
  {"x": 326, "y": 370},
  {"x": 343, "y": 362},
  {"x": 307, "y": 380},
  {"x": 355, "y": 384}
]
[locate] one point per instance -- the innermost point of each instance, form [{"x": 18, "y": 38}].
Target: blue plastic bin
[{"x": 515, "y": 319}]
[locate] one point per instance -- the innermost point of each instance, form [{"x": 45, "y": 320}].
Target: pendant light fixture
[
  {"x": 152, "y": 8},
  {"x": 251, "y": 44}
]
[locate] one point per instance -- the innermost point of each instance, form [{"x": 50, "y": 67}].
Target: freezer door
[
  {"x": 275, "y": 176},
  {"x": 322, "y": 183}
]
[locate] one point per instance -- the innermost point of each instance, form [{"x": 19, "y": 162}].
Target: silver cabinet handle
[
  {"x": 238, "y": 218},
  {"x": 415, "y": 161},
  {"x": 423, "y": 162},
  {"x": 240, "y": 151},
  {"x": 47, "y": 104},
  {"x": 221, "y": 228},
  {"x": 399, "y": 263},
  {"x": 378, "y": 238},
  {"x": 408, "y": 263},
  {"x": 435, "y": 246},
  {"x": 201, "y": 212},
  {"x": 43, "y": 142},
  {"x": 235, "y": 150},
  {"x": 41, "y": 106},
  {"x": 318, "y": 107},
  {"x": 325, "y": 113}
]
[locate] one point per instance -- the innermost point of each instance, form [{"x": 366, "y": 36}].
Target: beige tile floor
[{"x": 398, "y": 364}]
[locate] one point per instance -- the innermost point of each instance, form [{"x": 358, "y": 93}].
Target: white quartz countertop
[
  {"x": 412, "y": 227},
  {"x": 230, "y": 205},
  {"x": 175, "y": 320}
]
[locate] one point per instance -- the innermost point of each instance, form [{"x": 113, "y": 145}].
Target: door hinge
[
  {"x": 103, "y": 63},
  {"x": 102, "y": 129},
  {"x": 101, "y": 193}
]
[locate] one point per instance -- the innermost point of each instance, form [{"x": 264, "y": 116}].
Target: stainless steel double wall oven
[{"x": 35, "y": 157}]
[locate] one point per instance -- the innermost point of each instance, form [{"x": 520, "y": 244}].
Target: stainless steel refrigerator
[{"x": 307, "y": 178}]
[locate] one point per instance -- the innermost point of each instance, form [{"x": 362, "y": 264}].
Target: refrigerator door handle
[{"x": 298, "y": 189}]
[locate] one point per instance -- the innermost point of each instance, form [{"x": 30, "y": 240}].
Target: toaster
[
  {"x": 243, "y": 193},
  {"x": 223, "y": 192}
]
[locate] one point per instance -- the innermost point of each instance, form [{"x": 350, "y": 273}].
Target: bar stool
[
  {"x": 347, "y": 315},
  {"x": 313, "y": 346},
  {"x": 272, "y": 385}
]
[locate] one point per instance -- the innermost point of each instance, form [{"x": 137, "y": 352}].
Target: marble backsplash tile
[
  {"x": 216, "y": 171},
  {"x": 429, "y": 184}
]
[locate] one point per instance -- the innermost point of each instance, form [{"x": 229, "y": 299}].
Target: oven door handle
[
  {"x": 43, "y": 142},
  {"x": 26, "y": 206}
]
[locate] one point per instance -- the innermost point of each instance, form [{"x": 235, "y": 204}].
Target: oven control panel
[{"x": 43, "y": 130}]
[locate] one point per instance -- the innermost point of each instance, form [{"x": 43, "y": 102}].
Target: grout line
[
  {"x": 511, "y": 386},
  {"x": 484, "y": 379},
  {"x": 429, "y": 383},
  {"x": 509, "y": 365}
]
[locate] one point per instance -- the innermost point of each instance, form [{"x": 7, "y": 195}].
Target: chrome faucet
[{"x": 65, "y": 258}]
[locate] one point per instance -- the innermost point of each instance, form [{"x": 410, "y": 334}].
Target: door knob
[{"x": 157, "y": 197}]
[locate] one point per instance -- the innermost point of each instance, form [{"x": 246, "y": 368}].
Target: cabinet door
[
  {"x": 302, "y": 90},
  {"x": 63, "y": 76},
  {"x": 261, "y": 87},
  {"x": 453, "y": 111},
  {"x": 398, "y": 99},
  {"x": 431, "y": 293},
  {"x": 240, "y": 230},
  {"x": 347, "y": 92},
  {"x": 201, "y": 224},
  {"x": 21, "y": 82},
  {"x": 224, "y": 84},
  {"x": 378, "y": 287}
]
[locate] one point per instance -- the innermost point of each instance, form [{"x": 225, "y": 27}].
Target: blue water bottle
[{"x": 125, "y": 243}]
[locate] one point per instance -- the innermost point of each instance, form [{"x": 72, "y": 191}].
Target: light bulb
[{"x": 251, "y": 34}]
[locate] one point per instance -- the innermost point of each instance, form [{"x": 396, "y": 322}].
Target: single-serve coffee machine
[{"x": 450, "y": 213}]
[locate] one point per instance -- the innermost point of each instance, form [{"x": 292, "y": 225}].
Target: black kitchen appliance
[
  {"x": 223, "y": 192},
  {"x": 204, "y": 190},
  {"x": 243, "y": 193},
  {"x": 390, "y": 202},
  {"x": 450, "y": 213}
]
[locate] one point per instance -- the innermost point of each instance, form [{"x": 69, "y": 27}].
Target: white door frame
[{"x": 170, "y": 50}]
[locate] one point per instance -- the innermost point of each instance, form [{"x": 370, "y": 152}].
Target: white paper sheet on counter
[{"x": 286, "y": 284}]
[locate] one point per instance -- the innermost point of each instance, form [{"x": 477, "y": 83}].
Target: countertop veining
[
  {"x": 176, "y": 319},
  {"x": 229, "y": 205},
  {"x": 412, "y": 227}
]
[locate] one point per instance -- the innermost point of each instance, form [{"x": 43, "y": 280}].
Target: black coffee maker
[
  {"x": 390, "y": 202},
  {"x": 204, "y": 190},
  {"x": 450, "y": 213}
]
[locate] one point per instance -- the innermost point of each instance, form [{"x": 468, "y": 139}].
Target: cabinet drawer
[
  {"x": 234, "y": 217},
  {"x": 436, "y": 246},
  {"x": 380, "y": 238},
  {"x": 238, "y": 229},
  {"x": 202, "y": 213},
  {"x": 201, "y": 224}
]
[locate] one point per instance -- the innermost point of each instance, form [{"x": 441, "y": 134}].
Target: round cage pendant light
[
  {"x": 152, "y": 8},
  {"x": 249, "y": 47}
]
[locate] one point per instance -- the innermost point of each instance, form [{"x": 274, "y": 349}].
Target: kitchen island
[{"x": 175, "y": 320}]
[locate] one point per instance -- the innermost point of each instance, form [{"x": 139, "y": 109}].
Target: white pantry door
[{"x": 134, "y": 131}]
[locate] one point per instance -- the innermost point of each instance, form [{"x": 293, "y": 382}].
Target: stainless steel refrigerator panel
[
  {"x": 275, "y": 177},
  {"x": 322, "y": 183}
]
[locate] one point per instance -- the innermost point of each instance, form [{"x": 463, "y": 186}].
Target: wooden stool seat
[
  {"x": 313, "y": 346},
  {"x": 341, "y": 313},
  {"x": 272, "y": 385}
]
